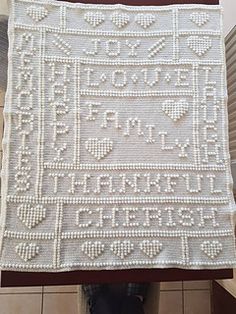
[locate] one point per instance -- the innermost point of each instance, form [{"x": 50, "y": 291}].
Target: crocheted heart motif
[
  {"x": 99, "y": 148},
  {"x": 145, "y": 20},
  {"x": 199, "y": 18},
  {"x": 120, "y": 19},
  {"x": 175, "y": 109},
  {"x": 122, "y": 248},
  {"x": 37, "y": 13},
  {"x": 93, "y": 249},
  {"x": 31, "y": 216},
  {"x": 199, "y": 45},
  {"x": 94, "y": 18},
  {"x": 151, "y": 248},
  {"x": 211, "y": 248},
  {"x": 27, "y": 251}
]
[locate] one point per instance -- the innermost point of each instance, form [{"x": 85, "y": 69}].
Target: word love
[{"x": 119, "y": 78}]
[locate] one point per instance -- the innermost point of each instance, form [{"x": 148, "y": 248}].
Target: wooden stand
[
  {"x": 14, "y": 279},
  {"x": 18, "y": 279}
]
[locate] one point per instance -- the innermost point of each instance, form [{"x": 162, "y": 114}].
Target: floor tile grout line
[
  {"x": 14, "y": 293},
  {"x": 60, "y": 292},
  {"x": 170, "y": 290},
  {"x": 191, "y": 289},
  {"x": 211, "y": 296},
  {"x": 197, "y": 289},
  {"x": 42, "y": 299}
]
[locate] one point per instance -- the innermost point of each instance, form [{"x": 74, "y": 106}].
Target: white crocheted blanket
[{"x": 115, "y": 149}]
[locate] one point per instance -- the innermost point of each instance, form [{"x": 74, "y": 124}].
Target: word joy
[{"x": 115, "y": 48}]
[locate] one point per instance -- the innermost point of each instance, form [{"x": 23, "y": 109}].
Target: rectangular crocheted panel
[{"x": 115, "y": 149}]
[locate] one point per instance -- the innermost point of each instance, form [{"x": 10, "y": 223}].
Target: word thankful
[
  {"x": 137, "y": 183},
  {"x": 146, "y": 217}
]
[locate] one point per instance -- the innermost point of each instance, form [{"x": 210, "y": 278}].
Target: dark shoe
[
  {"x": 91, "y": 291},
  {"x": 132, "y": 305},
  {"x": 141, "y": 289},
  {"x": 105, "y": 303}
]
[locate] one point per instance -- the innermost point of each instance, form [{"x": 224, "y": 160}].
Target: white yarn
[{"x": 115, "y": 149}]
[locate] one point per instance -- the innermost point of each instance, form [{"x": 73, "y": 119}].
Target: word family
[
  {"x": 115, "y": 151},
  {"x": 134, "y": 126}
]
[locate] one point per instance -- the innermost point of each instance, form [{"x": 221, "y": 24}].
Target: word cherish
[
  {"x": 137, "y": 183},
  {"x": 147, "y": 217}
]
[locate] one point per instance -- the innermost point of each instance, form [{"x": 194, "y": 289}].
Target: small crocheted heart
[
  {"x": 99, "y": 148},
  {"x": 94, "y": 18},
  {"x": 31, "y": 216},
  {"x": 27, "y": 251},
  {"x": 122, "y": 248},
  {"x": 175, "y": 109},
  {"x": 93, "y": 249},
  {"x": 37, "y": 13},
  {"x": 199, "y": 18},
  {"x": 120, "y": 19},
  {"x": 199, "y": 45},
  {"x": 145, "y": 20},
  {"x": 211, "y": 248},
  {"x": 151, "y": 248}
]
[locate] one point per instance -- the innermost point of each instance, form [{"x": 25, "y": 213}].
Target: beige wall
[
  {"x": 3, "y": 7},
  {"x": 229, "y": 14}
]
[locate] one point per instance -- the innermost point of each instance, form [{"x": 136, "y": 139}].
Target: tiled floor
[
  {"x": 21, "y": 303},
  {"x": 60, "y": 303},
  {"x": 175, "y": 297}
]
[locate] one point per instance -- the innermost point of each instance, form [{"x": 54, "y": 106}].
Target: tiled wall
[{"x": 175, "y": 297}]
